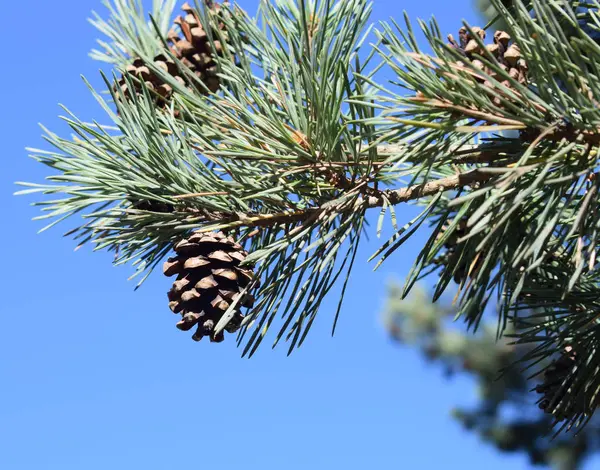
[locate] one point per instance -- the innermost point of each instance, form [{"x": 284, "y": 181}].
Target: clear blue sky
[{"x": 95, "y": 376}]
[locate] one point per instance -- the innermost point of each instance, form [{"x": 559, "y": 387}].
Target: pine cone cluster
[
  {"x": 209, "y": 279},
  {"x": 506, "y": 53},
  {"x": 554, "y": 389},
  {"x": 189, "y": 43}
]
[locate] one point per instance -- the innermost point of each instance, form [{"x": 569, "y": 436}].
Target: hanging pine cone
[
  {"x": 557, "y": 390},
  {"x": 459, "y": 232},
  {"x": 451, "y": 256},
  {"x": 209, "y": 279},
  {"x": 506, "y": 53},
  {"x": 193, "y": 50}
]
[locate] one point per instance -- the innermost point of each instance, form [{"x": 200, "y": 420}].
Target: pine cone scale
[
  {"x": 208, "y": 282},
  {"x": 196, "y": 262}
]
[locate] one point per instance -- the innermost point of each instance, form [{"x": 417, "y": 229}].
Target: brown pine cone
[
  {"x": 507, "y": 54},
  {"x": 209, "y": 279},
  {"x": 190, "y": 44}
]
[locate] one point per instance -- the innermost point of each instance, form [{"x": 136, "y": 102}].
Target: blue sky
[{"x": 96, "y": 376}]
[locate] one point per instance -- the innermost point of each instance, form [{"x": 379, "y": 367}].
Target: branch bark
[
  {"x": 394, "y": 197},
  {"x": 430, "y": 188}
]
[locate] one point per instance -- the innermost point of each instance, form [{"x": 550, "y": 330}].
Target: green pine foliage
[{"x": 302, "y": 140}]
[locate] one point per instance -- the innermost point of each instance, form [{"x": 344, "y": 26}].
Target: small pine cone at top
[
  {"x": 558, "y": 397},
  {"x": 506, "y": 53},
  {"x": 209, "y": 280},
  {"x": 190, "y": 44}
]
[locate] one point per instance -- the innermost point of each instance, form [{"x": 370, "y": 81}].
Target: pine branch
[
  {"x": 379, "y": 199},
  {"x": 275, "y": 130}
]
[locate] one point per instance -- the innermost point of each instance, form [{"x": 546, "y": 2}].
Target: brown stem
[
  {"x": 393, "y": 197},
  {"x": 429, "y": 188}
]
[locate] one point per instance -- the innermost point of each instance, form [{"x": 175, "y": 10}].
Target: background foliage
[{"x": 505, "y": 414}]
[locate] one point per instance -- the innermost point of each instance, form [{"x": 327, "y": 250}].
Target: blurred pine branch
[{"x": 505, "y": 415}]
